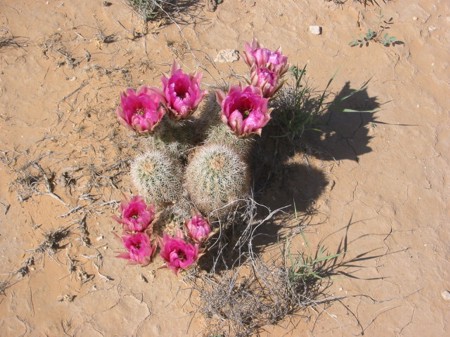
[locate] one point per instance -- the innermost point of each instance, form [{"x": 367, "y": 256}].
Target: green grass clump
[
  {"x": 297, "y": 107},
  {"x": 150, "y": 9}
]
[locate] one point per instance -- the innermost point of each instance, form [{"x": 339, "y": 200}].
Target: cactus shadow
[
  {"x": 343, "y": 134},
  {"x": 295, "y": 185},
  {"x": 281, "y": 176}
]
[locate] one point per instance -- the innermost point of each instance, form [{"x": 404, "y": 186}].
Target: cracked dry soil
[{"x": 382, "y": 179}]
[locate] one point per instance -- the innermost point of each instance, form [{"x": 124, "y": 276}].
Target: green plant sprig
[
  {"x": 299, "y": 105},
  {"x": 377, "y": 36}
]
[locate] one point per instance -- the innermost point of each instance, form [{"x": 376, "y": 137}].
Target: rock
[
  {"x": 316, "y": 30},
  {"x": 446, "y": 295},
  {"x": 227, "y": 56}
]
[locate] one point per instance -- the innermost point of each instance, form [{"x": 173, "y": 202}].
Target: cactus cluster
[
  {"x": 194, "y": 178},
  {"x": 197, "y": 162}
]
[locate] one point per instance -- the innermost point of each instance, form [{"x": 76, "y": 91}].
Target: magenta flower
[
  {"x": 136, "y": 215},
  {"x": 265, "y": 79},
  {"x": 142, "y": 110},
  {"x": 139, "y": 249},
  {"x": 177, "y": 253},
  {"x": 182, "y": 92},
  {"x": 245, "y": 110},
  {"x": 198, "y": 228},
  {"x": 255, "y": 54}
]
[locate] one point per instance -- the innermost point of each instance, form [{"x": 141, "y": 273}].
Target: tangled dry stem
[
  {"x": 364, "y": 2},
  {"x": 242, "y": 292},
  {"x": 256, "y": 294},
  {"x": 9, "y": 40}
]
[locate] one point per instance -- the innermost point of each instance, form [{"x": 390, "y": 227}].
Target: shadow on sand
[{"x": 345, "y": 126}]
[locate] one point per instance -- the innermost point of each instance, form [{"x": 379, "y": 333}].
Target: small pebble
[
  {"x": 316, "y": 30},
  {"x": 432, "y": 28},
  {"x": 227, "y": 56},
  {"x": 446, "y": 295}
]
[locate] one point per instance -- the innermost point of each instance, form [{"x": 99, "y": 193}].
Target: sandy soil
[{"x": 381, "y": 179}]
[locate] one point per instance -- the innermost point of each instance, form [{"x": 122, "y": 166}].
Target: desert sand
[{"x": 381, "y": 180}]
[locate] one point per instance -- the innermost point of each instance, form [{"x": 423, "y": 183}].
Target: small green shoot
[
  {"x": 364, "y": 40},
  {"x": 306, "y": 269},
  {"x": 389, "y": 40},
  {"x": 377, "y": 36}
]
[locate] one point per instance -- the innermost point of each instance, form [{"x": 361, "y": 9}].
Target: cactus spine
[
  {"x": 221, "y": 134},
  {"x": 157, "y": 176},
  {"x": 216, "y": 177}
]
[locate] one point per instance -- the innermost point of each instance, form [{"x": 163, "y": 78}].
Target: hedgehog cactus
[
  {"x": 215, "y": 178},
  {"x": 221, "y": 134},
  {"x": 169, "y": 144},
  {"x": 157, "y": 175}
]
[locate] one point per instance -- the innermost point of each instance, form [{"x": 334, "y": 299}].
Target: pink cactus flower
[
  {"x": 182, "y": 92},
  {"x": 265, "y": 79},
  {"x": 245, "y": 110},
  {"x": 136, "y": 215},
  {"x": 139, "y": 249},
  {"x": 141, "y": 110},
  {"x": 255, "y": 54},
  {"x": 198, "y": 228},
  {"x": 177, "y": 253}
]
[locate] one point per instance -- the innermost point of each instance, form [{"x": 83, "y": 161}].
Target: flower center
[
  {"x": 181, "y": 255},
  {"x": 140, "y": 111},
  {"x": 181, "y": 90},
  {"x": 245, "y": 106}
]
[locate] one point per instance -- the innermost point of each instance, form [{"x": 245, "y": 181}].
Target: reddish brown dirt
[{"x": 384, "y": 177}]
